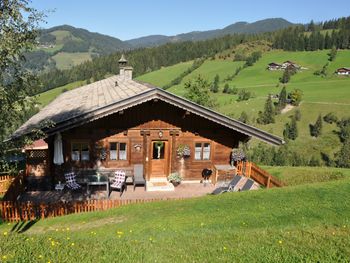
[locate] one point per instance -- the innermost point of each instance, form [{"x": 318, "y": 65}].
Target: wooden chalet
[
  {"x": 274, "y": 66},
  {"x": 343, "y": 71},
  {"x": 289, "y": 65},
  {"x": 118, "y": 122}
]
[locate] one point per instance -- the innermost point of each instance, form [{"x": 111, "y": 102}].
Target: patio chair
[
  {"x": 229, "y": 188},
  {"x": 71, "y": 182},
  {"x": 247, "y": 185},
  {"x": 138, "y": 178},
  {"x": 119, "y": 181}
]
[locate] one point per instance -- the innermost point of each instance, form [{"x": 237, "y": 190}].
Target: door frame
[{"x": 167, "y": 155}]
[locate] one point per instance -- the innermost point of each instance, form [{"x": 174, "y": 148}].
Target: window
[
  {"x": 202, "y": 151},
  {"x": 117, "y": 151},
  {"x": 80, "y": 151}
]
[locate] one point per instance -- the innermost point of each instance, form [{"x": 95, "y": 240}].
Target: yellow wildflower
[
  {"x": 40, "y": 256},
  {"x": 5, "y": 233},
  {"x": 119, "y": 232},
  {"x": 72, "y": 244},
  {"x": 4, "y": 257},
  {"x": 225, "y": 248},
  {"x": 67, "y": 229},
  {"x": 280, "y": 242},
  {"x": 68, "y": 238}
]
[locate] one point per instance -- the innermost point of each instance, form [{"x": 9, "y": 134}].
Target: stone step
[{"x": 153, "y": 186}]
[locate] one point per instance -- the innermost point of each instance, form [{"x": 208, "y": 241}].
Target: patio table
[{"x": 98, "y": 180}]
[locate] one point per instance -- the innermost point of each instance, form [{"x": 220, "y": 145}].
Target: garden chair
[
  {"x": 138, "y": 178},
  {"x": 119, "y": 182},
  {"x": 71, "y": 182},
  {"x": 247, "y": 185},
  {"x": 229, "y": 188}
]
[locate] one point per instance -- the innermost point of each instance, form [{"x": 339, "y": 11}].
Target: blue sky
[{"x": 131, "y": 19}]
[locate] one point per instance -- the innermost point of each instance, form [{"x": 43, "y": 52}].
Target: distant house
[
  {"x": 274, "y": 66},
  {"x": 290, "y": 65},
  {"x": 343, "y": 71}
]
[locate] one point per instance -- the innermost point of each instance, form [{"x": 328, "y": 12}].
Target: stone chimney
[{"x": 125, "y": 72}]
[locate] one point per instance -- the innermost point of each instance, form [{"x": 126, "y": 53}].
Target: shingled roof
[{"x": 102, "y": 98}]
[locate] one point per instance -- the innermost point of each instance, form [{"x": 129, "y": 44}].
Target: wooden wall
[{"x": 140, "y": 125}]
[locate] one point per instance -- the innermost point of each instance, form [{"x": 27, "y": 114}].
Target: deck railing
[
  {"x": 16, "y": 187},
  {"x": 5, "y": 182},
  {"x": 259, "y": 175},
  {"x": 13, "y": 211}
]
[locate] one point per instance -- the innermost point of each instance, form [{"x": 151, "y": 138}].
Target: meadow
[
  {"x": 307, "y": 222},
  {"x": 321, "y": 95}
]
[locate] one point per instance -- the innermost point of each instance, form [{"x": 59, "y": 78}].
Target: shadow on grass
[{"x": 23, "y": 226}]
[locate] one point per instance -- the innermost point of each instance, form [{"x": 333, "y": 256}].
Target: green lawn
[
  {"x": 305, "y": 175},
  {"x": 164, "y": 75},
  {"x": 48, "y": 96},
  {"x": 208, "y": 70},
  {"x": 308, "y": 223},
  {"x": 66, "y": 60}
]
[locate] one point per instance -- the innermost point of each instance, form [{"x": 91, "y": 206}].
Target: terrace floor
[{"x": 184, "y": 190}]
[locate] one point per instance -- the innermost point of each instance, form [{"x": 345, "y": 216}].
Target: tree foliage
[
  {"x": 291, "y": 129},
  {"x": 295, "y": 97},
  {"x": 18, "y": 33},
  {"x": 268, "y": 115},
  {"x": 197, "y": 90},
  {"x": 282, "y": 99},
  {"x": 215, "y": 85},
  {"x": 316, "y": 129}
]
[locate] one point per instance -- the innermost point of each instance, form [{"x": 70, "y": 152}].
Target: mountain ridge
[{"x": 260, "y": 26}]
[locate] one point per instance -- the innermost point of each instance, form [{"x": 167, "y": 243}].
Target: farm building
[
  {"x": 119, "y": 122},
  {"x": 343, "y": 71},
  {"x": 274, "y": 66},
  {"x": 290, "y": 64}
]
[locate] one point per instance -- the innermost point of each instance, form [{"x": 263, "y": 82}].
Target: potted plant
[
  {"x": 175, "y": 178},
  {"x": 237, "y": 155},
  {"x": 183, "y": 150}
]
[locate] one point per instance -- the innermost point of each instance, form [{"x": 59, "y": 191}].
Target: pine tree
[
  {"x": 343, "y": 156},
  {"x": 215, "y": 85},
  {"x": 226, "y": 88},
  {"x": 297, "y": 115},
  {"x": 244, "y": 117},
  {"x": 332, "y": 54},
  {"x": 268, "y": 115},
  {"x": 316, "y": 129},
  {"x": 282, "y": 99},
  {"x": 293, "y": 130}
]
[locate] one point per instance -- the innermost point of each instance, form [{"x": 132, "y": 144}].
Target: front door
[{"x": 159, "y": 159}]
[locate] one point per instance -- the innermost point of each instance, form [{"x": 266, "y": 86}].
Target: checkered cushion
[
  {"x": 119, "y": 179},
  {"x": 71, "y": 182}
]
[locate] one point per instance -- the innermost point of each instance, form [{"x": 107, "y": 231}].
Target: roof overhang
[{"x": 172, "y": 99}]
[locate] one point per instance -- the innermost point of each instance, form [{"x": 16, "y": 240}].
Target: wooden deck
[{"x": 184, "y": 190}]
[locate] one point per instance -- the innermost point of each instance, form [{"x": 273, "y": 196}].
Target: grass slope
[
  {"x": 164, "y": 75},
  {"x": 321, "y": 94},
  {"x": 209, "y": 70},
  {"x": 309, "y": 223},
  {"x": 66, "y": 60},
  {"x": 46, "y": 97}
]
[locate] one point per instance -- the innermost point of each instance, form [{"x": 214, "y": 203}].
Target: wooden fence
[
  {"x": 5, "y": 182},
  {"x": 13, "y": 211},
  {"x": 16, "y": 187},
  {"x": 259, "y": 175}
]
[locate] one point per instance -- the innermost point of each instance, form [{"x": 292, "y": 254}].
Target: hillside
[
  {"x": 321, "y": 95},
  {"x": 266, "y": 25},
  {"x": 302, "y": 223},
  {"x": 66, "y": 46}
]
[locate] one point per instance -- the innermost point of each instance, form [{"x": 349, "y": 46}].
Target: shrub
[
  {"x": 330, "y": 118},
  {"x": 243, "y": 94}
]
